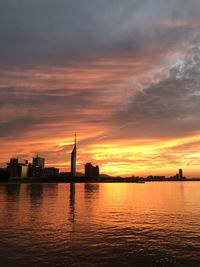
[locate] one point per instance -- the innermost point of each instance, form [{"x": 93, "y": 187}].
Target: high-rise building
[
  {"x": 96, "y": 172},
  {"x": 73, "y": 160},
  {"x": 38, "y": 166},
  {"x": 18, "y": 167},
  {"x": 180, "y": 174},
  {"x": 88, "y": 170},
  {"x": 91, "y": 172},
  {"x": 38, "y": 161}
]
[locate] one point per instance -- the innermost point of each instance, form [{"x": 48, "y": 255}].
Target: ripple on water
[{"x": 105, "y": 225}]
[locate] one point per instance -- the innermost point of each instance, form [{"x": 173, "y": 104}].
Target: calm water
[{"x": 151, "y": 224}]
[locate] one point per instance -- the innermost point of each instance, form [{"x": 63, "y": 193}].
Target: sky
[{"x": 124, "y": 75}]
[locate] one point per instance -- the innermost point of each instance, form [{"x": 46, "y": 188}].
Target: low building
[
  {"x": 51, "y": 171},
  {"x": 65, "y": 174},
  {"x": 4, "y": 175},
  {"x": 156, "y": 178}
]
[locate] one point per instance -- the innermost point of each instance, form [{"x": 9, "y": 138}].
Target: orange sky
[
  {"x": 127, "y": 83},
  {"x": 55, "y": 113}
]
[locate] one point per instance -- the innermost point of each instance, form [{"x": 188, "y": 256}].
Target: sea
[{"x": 100, "y": 224}]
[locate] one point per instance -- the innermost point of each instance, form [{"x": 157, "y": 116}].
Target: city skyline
[
  {"x": 22, "y": 168},
  {"x": 70, "y": 167},
  {"x": 124, "y": 76}
]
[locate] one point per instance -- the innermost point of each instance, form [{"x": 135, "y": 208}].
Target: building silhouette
[
  {"x": 180, "y": 174},
  {"x": 73, "y": 159},
  {"x": 91, "y": 172},
  {"x": 17, "y": 167},
  {"x": 4, "y": 175},
  {"x": 37, "y": 167},
  {"x": 51, "y": 171},
  {"x": 38, "y": 161}
]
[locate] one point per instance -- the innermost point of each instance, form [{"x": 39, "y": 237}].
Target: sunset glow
[{"x": 131, "y": 95}]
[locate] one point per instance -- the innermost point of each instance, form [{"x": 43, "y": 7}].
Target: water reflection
[
  {"x": 12, "y": 190},
  {"x": 72, "y": 192},
  {"x": 91, "y": 193},
  {"x": 152, "y": 224},
  {"x": 10, "y": 202},
  {"x": 35, "y": 192},
  {"x": 91, "y": 190}
]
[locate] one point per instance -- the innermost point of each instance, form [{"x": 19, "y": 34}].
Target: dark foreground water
[{"x": 151, "y": 224}]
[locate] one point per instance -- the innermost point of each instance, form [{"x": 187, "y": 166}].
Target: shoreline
[{"x": 91, "y": 181}]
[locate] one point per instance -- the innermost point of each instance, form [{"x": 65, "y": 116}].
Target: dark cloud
[
  {"x": 170, "y": 107},
  {"x": 59, "y": 32}
]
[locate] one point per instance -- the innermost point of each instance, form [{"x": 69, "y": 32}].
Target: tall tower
[{"x": 73, "y": 159}]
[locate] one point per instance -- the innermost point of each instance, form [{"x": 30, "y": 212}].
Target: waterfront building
[
  {"x": 91, "y": 171},
  {"x": 180, "y": 174},
  {"x": 37, "y": 167},
  {"x": 17, "y": 167},
  {"x": 51, "y": 171},
  {"x": 38, "y": 161}
]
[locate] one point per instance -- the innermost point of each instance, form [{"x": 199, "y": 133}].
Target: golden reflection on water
[
  {"x": 70, "y": 219},
  {"x": 58, "y": 204}
]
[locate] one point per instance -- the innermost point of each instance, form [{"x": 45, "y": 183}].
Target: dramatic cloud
[{"x": 170, "y": 107}]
